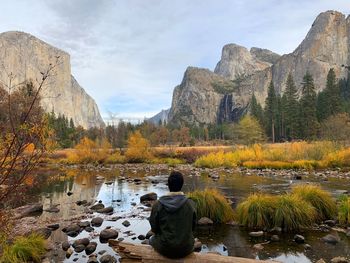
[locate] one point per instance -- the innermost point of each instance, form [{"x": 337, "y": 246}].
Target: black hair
[{"x": 175, "y": 181}]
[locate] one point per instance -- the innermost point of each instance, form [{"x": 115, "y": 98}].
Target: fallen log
[{"x": 134, "y": 253}]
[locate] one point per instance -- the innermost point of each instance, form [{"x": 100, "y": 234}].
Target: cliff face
[
  {"x": 224, "y": 95},
  {"x": 26, "y": 56}
]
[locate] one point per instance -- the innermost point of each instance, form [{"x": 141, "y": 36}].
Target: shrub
[
  {"x": 212, "y": 204},
  {"x": 344, "y": 209},
  {"x": 293, "y": 213},
  {"x": 138, "y": 149},
  {"x": 321, "y": 200},
  {"x": 218, "y": 159},
  {"x": 115, "y": 158},
  {"x": 256, "y": 211},
  {"x": 24, "y": 249}
]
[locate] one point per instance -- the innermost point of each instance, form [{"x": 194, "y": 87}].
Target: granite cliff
[
  {"x": 206, "y": 97},
  {"x": 26, "y": 56}
]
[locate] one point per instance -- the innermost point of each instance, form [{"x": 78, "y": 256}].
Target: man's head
[{"x": 175, "y": 181}]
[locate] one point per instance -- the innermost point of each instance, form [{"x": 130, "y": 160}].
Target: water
[{"x": 115, "y": 187}]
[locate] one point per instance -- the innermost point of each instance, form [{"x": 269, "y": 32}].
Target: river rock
[
  {"x": 97, "y": 206},
  {"x": 275, "y": 238},
  {"x": 69, "y": 252},
  {"x": 331, "y": 239},
  {"x": 81, "y": 202},
  {"x": 126, "y": 223},
  {"x": 256, "y": 234},
  {"x": 71, "y": 228},
  {"x": 307, "y": 246},
  {"x": 106, "y": 210},
  {"x": 97, "y": 221},
  {"x": 108, "y": 234},
  {"x": 52, "y": 209},
  {"x": 339, "y": 260},
  {"x": 320, "y": 261},
  {"x": 84, "y": 224},
  {"x": 92, "y": 259},
  {"x": 79, "y": 248},
  {"x": 54, "y": 226},
  {"x": 65, "y": 245},
  {"x": 90, "y": 248},
  {"x": 107, "y": 259},
  {"x": 28, "y": 210},
  {"x": 205, "y": 221},
  {"x": 82, "y": 241},
  {"x": 299, "y": 239},
  {"x": 149, "y": 234},
  {"x": 197, "y": 247},
  {"x": 44, "y": 232},
  {"x": 330, "y": 222},
  {"x": 258, "y": 247},
  {"x": 148, "y": 197},
  {"x": 141, "y": 237},
  {"x": 89, "y": 229}
]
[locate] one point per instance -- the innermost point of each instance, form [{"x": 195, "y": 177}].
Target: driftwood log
[{"x": 133, "y": 253}]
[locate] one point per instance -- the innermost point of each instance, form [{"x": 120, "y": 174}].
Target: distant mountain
[
  {"x": 26, "y": 56},
  {"x": 163, "y": 116},
  {"x": 206, "y": 97}
]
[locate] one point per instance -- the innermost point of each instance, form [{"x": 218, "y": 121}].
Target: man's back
[{"x": 173, "y": 219}]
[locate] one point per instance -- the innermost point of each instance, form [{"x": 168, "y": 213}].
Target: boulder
[
  {"x": 299, "y": 239},
  {"x": 82, "y": 241},
  {"x": 148, "y": 197},
  {"x": 28, "y": 210},
  {"x": 79, "y": 248},
  {"x": 90, "y": 248},
  {"x": 97, "y": 206},
  {"x": 71, "y": 228},
  {"x": 106, "y": 210},
  {"x": 92, "y": 259},
  {"x": 256, "y": 234},
  {"x": 97, "y": 221},
  {"x": 65, "y": 245},
  {"x": 331, "y": 239},
  {"x": 205, "y": 221},
  {"x": 108, "y": 234},
  {"x": 54, "y": 226},
  {"x": 108, "y": 259}
]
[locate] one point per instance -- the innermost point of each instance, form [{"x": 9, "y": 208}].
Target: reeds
[
  {"x": 344, "y": 210},
  {"x": 212, "y": 204},
  {"x": 24, "y": 249},
  {"x": 320, "y": 199}
]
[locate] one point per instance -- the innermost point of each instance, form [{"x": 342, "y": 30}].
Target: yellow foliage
[
  {"x": 218, "y": 159},
  {"x": 138, "y": 148},
  {"x": 115, "y": 158}
]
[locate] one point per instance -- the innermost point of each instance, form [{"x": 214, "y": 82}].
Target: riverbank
[{"x": 72, "y": 190}]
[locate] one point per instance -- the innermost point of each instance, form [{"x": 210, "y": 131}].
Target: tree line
[{"x": 308, "y": 115}]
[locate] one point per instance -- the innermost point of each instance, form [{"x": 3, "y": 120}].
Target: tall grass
[
  {"x": 212, "y": 204},
  {"x": 24, "y": 249},
  {"x": 257, "y": 211},
  {"x": 293, "y": 213},
  {"x": 320, "y": 199},
  {"x": 344, "y": 209},
  {"x": 296, "y": 155}
]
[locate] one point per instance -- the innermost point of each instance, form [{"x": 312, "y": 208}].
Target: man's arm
[{"x": 153, "y": 220}]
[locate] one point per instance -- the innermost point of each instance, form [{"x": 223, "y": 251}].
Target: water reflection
[{"x": 117, "y": 188}]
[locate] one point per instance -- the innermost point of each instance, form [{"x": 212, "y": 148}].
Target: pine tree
[
  {"x": 291, "y": 109},
  {"x": 256, "y": 110},
  {"x": 308, "y": 118},
  {"x": 271, "y": 113},
  {"x": 332, "y": 95}
]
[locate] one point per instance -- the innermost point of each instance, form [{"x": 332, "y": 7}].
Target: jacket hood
[{"x": 172, "y": 203}]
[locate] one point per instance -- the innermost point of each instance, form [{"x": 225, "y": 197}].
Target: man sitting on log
[{"x": 173, "y": 219}]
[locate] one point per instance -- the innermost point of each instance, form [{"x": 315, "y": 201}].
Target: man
[{"x": 173, "y": 219}]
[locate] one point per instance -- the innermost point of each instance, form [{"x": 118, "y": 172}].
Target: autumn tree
[
  {"x": 249, "y": 130},
  {"x": 336, "y": 127},
  {"x": 138, "y": 148}
]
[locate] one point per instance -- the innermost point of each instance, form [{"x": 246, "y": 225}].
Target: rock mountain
[
  {"x": 26, "y": 56},
  {"x": 206, "y": 97}
]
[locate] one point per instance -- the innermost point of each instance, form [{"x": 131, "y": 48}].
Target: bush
[
  {"x": 138, "y": 149},
  {"x": 256, "y": 211},
  {"x": 293, "y": 213},
  {"x": 115, "y": 158},
  {"x": 218, "y": 159},
  {"x": 344, "y": 210},
  {"x": 212, "y": 204},
  {"x": 321, "y": 200},
  {"x": 24, "y": 249}
]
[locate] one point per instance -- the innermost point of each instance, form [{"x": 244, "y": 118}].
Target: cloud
[{"x": 130, "y": 54}]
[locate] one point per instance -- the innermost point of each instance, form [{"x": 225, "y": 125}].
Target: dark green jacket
[{"x": 173, "y": 219}]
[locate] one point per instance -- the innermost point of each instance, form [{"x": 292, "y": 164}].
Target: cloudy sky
[{"x": 130, "y": 54}]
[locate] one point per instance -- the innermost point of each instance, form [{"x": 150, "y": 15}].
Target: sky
[{"x": 130, "y": 54}]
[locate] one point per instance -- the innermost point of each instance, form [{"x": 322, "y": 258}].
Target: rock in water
[
  {"x": 107, "y": 259},
  {"x": 26, "y": 56},
  {"x": 108, "y": 234},
  {"x": 256, "y": 234},
  {"x": 299, "y": 239},
  {"x": 97, "y": 206},
  {"x": 96, "y": 221},
  {"x": 148, "y": 197},
  {"x": 205, "y": 221},
  {"x": 331, "y": 239}
]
